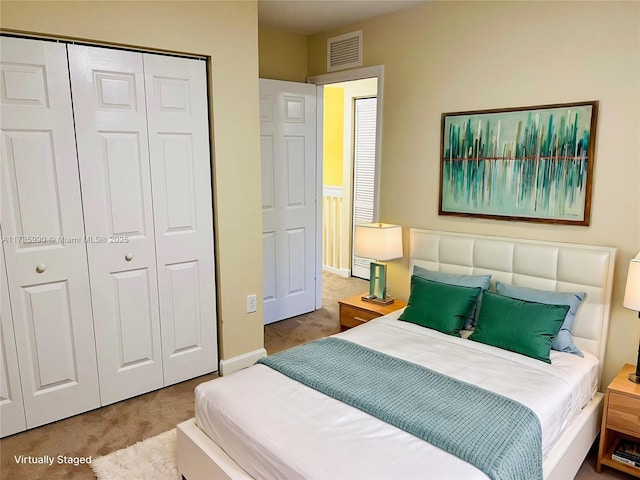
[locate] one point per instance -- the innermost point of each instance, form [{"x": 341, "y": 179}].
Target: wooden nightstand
[
  {"x": 620, "y": 418},
  {"x": 354, "y": 311}
]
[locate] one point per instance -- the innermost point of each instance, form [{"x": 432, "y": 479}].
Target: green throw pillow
[
  {"x": 439, "y": 306},
  {"x": 520, "y": 326},
  {"x": 563, "y": 342},
  {"x": 462, "y": 280}
]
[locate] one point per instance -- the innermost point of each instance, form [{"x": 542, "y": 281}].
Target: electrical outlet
[{"x": 251, "y": 303}]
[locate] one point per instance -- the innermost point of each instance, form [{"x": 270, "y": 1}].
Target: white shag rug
[{"x": 150, "y": 459}]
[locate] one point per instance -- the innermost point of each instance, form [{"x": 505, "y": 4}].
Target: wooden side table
[
  {"x": 354, "y": 311},
  {"x": 620, "y": 419}
]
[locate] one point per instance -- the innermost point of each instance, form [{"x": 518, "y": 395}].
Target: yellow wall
[
  {"x": 456, "y": 56},
  {"x": 333, "y": 135},
  {"x": 228, "y": 33},
  {"x": 283, "y": 56}
]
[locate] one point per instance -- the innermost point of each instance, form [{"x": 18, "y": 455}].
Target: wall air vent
[{"x": 344, "y": 51}]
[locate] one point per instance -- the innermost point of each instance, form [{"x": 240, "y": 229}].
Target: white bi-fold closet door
[
  {"x": 114, "y": 233},
  {"x": 40, "y": 206},
  {"x": 142, "y": 133},
  {"x": 113, "y": 155}
]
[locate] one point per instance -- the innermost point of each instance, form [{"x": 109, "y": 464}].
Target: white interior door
[
  {"x": 176, "y": 92},
  {"x": 12, "y": 417},
  {"x": 288, "y": 156},
  {"x": 364, "y": 173},
  {"x": 41, "y": 217},
  {"x": 111, "y": 128}
]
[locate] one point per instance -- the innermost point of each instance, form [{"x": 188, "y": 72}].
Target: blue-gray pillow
[
  {"x": 473, "y": 281},
  {"x": 563, "y": 342}
]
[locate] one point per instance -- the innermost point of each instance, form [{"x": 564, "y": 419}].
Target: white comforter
[{"x": 275, "y": 427}]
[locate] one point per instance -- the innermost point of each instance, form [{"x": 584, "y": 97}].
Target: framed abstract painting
[{"x": 529, "y": 163}]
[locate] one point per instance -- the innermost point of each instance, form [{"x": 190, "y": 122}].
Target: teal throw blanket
[{"x": 498, "y": 435}]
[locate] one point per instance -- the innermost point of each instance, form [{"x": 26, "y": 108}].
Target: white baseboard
[
  {"x": 241, "y": 361},
  {"x": 343, "y": 272}
]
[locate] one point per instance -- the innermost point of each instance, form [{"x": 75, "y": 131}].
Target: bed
[{"x": 260, "y": 423}]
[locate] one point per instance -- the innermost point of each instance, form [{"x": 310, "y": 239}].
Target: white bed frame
[{"x": 530, "y": 263}]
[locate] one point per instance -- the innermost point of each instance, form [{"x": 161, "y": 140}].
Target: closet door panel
[
  {"x": 12, "y": 419},
  {"x": 42, "y": 224},
  {"x": 109, "y": 107},
  {"x": 176, "y": 94}
]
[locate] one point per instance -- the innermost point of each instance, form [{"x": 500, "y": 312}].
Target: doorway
[
  {"x": 349, "y": 171},
  {"x": 350, "y": 108}
]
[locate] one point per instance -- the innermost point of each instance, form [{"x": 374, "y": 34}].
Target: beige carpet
[
  {"x": 117, "y": 426},
  {"x": 321, "y": 323},
  {"x": 97, "y": 433}
]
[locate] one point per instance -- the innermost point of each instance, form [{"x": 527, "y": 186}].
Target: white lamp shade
[
  {"x": 632, "y": 291},
  {"x": 378, "y": 241}
]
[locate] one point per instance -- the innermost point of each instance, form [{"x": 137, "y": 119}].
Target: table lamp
[
  {"x": 380, "y": 242},
  {"x": 632, "y": 302}
]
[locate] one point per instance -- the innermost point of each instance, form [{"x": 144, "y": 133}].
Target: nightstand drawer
[
  {"x": 354, "y": 311},
  {"x": 352, "y": 317},
  {"x": 624, "y": 413}
]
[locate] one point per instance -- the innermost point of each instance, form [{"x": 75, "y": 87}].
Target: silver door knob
[
  {"x": 128, "y": 257},
  {"x": 41, "y": 268}
]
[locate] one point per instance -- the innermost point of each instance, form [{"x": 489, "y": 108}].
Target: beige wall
[
  {"x": 456, "y": 56},
  {"x": 228, "y": 33},
  {"x": 283, "y": 56}
]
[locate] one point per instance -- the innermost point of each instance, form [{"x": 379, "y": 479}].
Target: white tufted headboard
[{"x": 563, "y": 267}]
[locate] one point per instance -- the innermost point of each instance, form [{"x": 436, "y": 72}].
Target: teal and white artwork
[{"x": 531, "y": 163}]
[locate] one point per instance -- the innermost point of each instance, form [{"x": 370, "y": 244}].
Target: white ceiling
[{"x": 308, "y": 17}]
